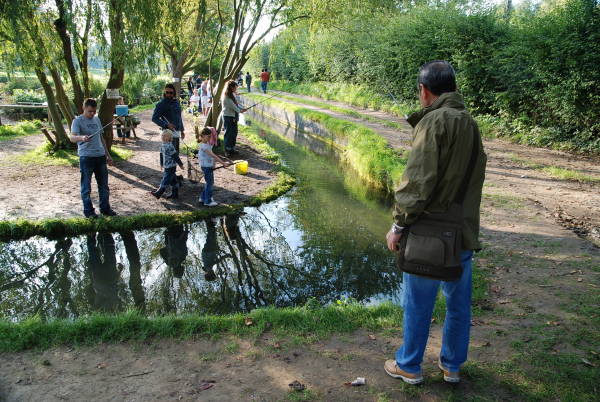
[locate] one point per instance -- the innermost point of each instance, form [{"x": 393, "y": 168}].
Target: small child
[
  {"x": 207, "y": 158},
  {"x": 169, "y": 158}
]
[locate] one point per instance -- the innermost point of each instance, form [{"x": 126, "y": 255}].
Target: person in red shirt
[{"x": 264, "y": 79}]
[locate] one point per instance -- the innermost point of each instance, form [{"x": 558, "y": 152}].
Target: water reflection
[{"x": 322, "y": 240}]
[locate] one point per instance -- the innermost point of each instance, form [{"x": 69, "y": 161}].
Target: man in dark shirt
[{"x": 167, "y": 114}]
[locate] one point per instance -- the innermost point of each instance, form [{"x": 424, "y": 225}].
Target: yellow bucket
[{"x": 241, "y": 167}]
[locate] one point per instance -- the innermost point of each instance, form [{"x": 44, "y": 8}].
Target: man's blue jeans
[
  {"x": 418, "y": 300},
  {"x": 95, "y": 165},
  {"x": 206, "y": 195},
  {"x": 263, "y": 86}
]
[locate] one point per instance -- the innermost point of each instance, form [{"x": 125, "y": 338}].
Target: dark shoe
[
  {"x": 93, "y": 215},
  {"x": 110, "y": 212},
  {"x": 180, "y": 179},
  {"x": 172, "y": 196},
  {"x": 155, "y": 194}
]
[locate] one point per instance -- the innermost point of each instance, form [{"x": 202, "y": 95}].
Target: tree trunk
[
  {"x": 62, "y": 139},
  {"x": 177, "y": 72},
  {"x": 61, "y": 97},
  {"x": 117, "y": 71},
  {"x": 61, "y": 28}
]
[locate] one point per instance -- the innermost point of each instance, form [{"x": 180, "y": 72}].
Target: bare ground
[
  {"x": 36, "y": 192},
  {"x": 540, "y": 272}
]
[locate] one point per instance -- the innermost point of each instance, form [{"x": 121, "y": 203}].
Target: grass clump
[
  {"x": 20, "y": 129},
  {"x": 142, "y": 108},
  {"x": 133, "y": 326},
  {"x": 44, "y": 155},
  {"x": 366, "y": 151}
]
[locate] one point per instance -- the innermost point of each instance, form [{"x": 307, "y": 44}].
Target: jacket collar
[{"x": 449, "y": 99}]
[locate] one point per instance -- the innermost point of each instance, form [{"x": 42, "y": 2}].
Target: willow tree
[
  {"x": 251, "y": 21},
  {"x": 27, "y": 25},
  {"x": 186, "y": 42}
]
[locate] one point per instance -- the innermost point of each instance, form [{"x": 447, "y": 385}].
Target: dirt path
[
  {"x": 53, "y": 191},
  {"x": 511, "y": 170}
]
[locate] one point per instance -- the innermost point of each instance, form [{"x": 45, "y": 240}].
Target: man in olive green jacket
[{"x": 444, "y": 136}]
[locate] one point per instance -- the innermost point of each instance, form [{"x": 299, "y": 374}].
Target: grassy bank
[
  {"x": 309, "y": 319},
  {"x": 56, "y": 228},
  {"x": 366, "y": 151},
  {"x": 353, "y": 94},
  {"x": 20, "y": 129}
]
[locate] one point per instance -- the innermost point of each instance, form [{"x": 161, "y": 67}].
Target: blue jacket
[{"x": 171, "y": 110}]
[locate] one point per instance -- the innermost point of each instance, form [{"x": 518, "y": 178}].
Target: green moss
[
  {"x": 43, "y": 155},
  {"x": 366, "y": 151},
  {"x": 557, "y": 172},
  {"x": 20, "y": 129},
  {"x": 55, "y": 228},
  {"x": 129, "y": 326}
]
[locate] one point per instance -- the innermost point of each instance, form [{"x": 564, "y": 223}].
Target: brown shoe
[
  {"x": 393, "y": 370},
  {"x": 449, "y": 376}
]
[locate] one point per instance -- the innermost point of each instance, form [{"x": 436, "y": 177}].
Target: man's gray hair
[{"x": 437, "y": 76}]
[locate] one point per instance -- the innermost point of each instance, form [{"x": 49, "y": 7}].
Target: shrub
[{"x": 23, "y": 95}]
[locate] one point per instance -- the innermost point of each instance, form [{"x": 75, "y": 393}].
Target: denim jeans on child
[
  {"x": 418, "y": 300},
  {"x": 169, "y": 179},
  {"x": 209, "y": 178},
  {"x": 95, "y": 165}
]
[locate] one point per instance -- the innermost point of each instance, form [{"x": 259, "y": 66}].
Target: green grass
[
  {"x": 556, "y": 171},
  {"x": 44, "y": 156},
  {"x": 55, "y": 227},
  {"x": 366, "y": 151},
  {"x": 353, "y": 94},
  {"x": 133, "y": 326},
  {"x": 20, "y": 129},
  {"x": 141, "y": 108}
]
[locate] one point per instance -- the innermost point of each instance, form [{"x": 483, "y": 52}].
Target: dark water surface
[{"x": 324, "y": 240}]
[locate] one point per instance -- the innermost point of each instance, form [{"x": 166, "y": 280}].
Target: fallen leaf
[
  {"x": 372, "y": 337},
  {"x": 205, "y": 385},
  {"x": 357, "y": 383},
  {"x": 553, "y": 323},
  {"x": 504, "y": 301},
  {"x": 102, "y": 365},
  {"x": 248, "y": 321},
  {"x": 487, "y": 344},
  {"x": 277, "y": 345},
  {"x": 579, "y": 279},
  {"x": 587, "y": 362}
]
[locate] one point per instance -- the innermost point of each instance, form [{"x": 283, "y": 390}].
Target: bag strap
[{"x": 462, "y": 190}]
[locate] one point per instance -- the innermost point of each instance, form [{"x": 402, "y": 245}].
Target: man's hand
[
  {"x": 109, "y": 160},
  {"x": 182, "y": 135},
  {"x": 392, "y": 240},
  {"x": 171, "y": 126},
  {"x": 85, "y": 138}
]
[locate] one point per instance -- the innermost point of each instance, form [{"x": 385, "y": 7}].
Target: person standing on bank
[
  {"x": 447, "y": 156},
  {"x": 248, "y": 80},
  {"x": 231, "y": 111},
  {"x": 265, "y": 76},
  {"x": 86, "y": 131},
  {"x": 167, "y": 114}
]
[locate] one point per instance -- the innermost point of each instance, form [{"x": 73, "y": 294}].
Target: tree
[{"x": 246, "y": 16}]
